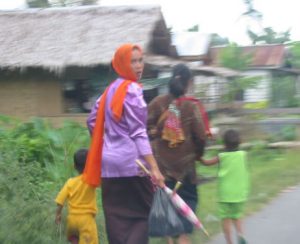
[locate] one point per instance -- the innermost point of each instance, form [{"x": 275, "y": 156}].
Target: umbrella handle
[
  {"x": 177, "y": 186},
  {"x": 205, "y": 232},
  {"x": 139, "y": 163},
  {"x": 142, "y": 166}
]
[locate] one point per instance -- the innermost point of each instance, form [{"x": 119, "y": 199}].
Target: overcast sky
[{"x": 215, "y": 16}]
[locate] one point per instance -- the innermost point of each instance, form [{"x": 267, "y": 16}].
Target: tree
[
  {"x": 253, "y": 36},
  {"x": 284, "y": 92},
  {"x": 233, "y": 57},
  {"x": 251, "y": 12},
  {"x": 269, "y": 36},
  {"x": 294, "y": 55},
  {"x": 217, "y": 40},
  {"x": 38, "y": 3},
  {"x": 195, "y": 28},
  {"x": 68, "y": 3}
]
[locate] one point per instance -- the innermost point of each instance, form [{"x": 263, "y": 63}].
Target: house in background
[
  {"x": 192, "y": 46},
  {"x": 269, "y": 63},
  {"x": 209, "y": 81},
  {"x": 210, "y": 84},
  {"x": 54, "y": 60}
]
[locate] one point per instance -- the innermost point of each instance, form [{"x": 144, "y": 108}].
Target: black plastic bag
[{"x": 164, "y": 219}]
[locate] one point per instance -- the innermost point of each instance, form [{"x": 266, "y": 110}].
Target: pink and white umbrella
[
  {"x": 184, "y": 209},
  {"x": 180, "y": 204}
]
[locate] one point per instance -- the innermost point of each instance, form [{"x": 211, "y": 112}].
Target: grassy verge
[
  {"x": 271, "y": 171},
  {"x": 36, "y": 159}
]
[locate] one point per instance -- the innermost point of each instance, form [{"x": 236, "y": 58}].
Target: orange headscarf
[{"x": 122, "y": 65}]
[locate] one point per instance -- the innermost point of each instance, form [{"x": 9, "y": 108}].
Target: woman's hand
[{"x": 157, "y": 177}]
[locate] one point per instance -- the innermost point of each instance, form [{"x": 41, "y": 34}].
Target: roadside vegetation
[
  {"x": 271, "y": 171},
  {"x": 36, "y": 159}
]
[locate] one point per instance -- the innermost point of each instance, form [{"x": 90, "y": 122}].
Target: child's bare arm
[
  {"x": 211, "y": 161},
  {"x": 58, "y": 213}
]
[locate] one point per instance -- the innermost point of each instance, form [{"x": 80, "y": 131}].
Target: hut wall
[{"x": 29, "y": 97}]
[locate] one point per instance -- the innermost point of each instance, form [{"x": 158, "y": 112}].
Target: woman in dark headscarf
[
  {"x": 178, "y": 126},
  {"x": 118, "y": 127}
]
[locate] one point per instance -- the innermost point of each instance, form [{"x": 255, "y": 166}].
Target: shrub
[{"x": 35, "y": 160}]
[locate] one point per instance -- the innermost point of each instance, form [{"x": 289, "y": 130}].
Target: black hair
[
  {"x": 111, "y": 70},
  {"x": 231, "y": 140},
  {"x": 80, "y": 157},
  {"x": 179, "y": 81}
]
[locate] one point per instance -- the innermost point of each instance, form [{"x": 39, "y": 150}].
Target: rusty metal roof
[{"x": 263, "y": 56}]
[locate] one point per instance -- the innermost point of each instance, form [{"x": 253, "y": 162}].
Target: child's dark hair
[
  {"x": 80, "y": 157},
  {"x": 231, "y": 140},
  {"x": 179, "y": 81}
]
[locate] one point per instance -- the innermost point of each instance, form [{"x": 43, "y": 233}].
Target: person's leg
[
  {"x": 184, "y": 239},
  {"x": 88, "y": 230},
  {"x": 170, "y": 240},
  {"x": 93, "y": 231},
  {"x": 126, "y": 205},
  {"x": 137, "y": 231},
  {"x": 237, "y": 221},
  {"x": 74, "y": 240},
  {"x": 188, "y": 192},
  {"x": 225, "y": 214},
  {"x": 72, "y": 229},
  {"x": 226, "y": 225},
  {"x": 238, "y": 226},
  {"x": 239, "y": 229}
]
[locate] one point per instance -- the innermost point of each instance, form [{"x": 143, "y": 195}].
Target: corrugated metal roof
[
  {"x": 215, "y": 71},
  {"x": 270, "y": 56},
  {"x": 149, "y": 84}
]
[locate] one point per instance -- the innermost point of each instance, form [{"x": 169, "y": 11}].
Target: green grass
[
  {"x": 36, "y": 159},
  {"x": 271, "y": 171}
]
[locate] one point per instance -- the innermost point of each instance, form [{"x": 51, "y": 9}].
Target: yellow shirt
[{"x": 81, "y": 196}]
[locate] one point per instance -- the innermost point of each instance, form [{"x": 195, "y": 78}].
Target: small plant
[
  {"x": 288, "y": 133},
  {"x": 256, "y": 105}
]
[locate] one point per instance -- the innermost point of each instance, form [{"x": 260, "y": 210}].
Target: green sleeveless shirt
[{"x": 233, "y": 184}]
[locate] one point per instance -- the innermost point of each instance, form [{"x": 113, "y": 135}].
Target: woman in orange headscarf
[{"x": 119, "y": 137}]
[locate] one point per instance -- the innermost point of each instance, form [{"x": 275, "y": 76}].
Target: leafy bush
[
  {"x": 26, "y": 203},
  {"x": 284, "y": 92},
  {"x": 35, "y": 161},
  {"x": 256, "y": 105},
  {"x": 286, "y": 133}
]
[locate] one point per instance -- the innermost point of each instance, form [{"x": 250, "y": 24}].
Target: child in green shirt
[{"x": 233, "y": 184}]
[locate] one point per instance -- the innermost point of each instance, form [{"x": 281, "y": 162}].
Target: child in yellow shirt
[{"x": 82, "y": 206}]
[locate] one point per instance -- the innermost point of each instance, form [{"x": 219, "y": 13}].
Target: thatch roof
[{"x": 86, "y": 36}]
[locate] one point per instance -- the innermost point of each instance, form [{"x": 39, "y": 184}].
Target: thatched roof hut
[
  {"x": 56, "y": 61},
  {"x": 55, "y": 38}
]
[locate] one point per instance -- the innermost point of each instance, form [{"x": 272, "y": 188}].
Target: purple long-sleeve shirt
[{"x": 126, "y": 140}]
